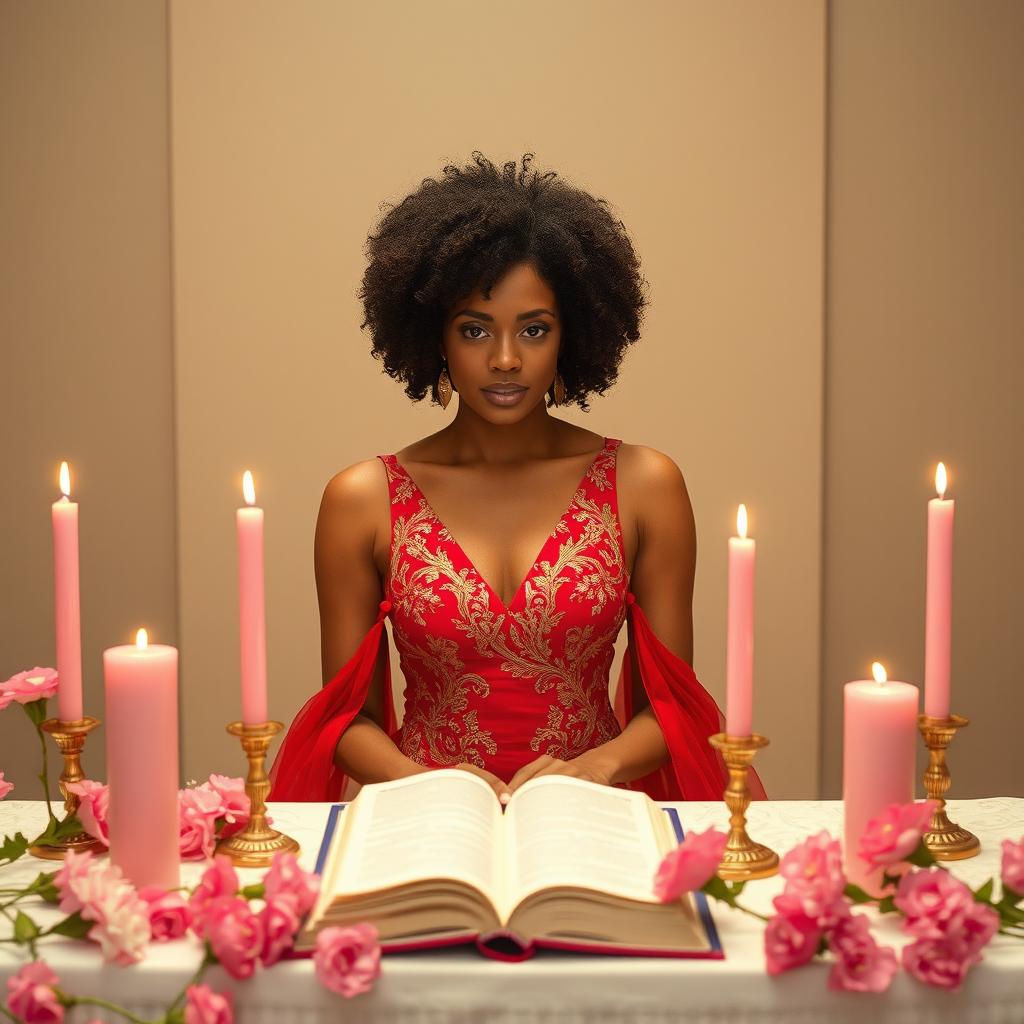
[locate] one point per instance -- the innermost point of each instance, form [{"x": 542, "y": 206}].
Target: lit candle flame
[
  {"x": 65, "y": 480},
  {"x": 142, "y": 640},
  {"x": 878, "y": 671},
  {"x": 248, "y": 488},
  {"x": 940, "y": 479},
  {"x": 741, "y": 522}
]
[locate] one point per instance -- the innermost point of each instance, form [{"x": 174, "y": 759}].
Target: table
[{"x": 461, "y": 986}]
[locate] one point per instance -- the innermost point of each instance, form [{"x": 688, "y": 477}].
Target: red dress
[{"x": 496, "y": 685}]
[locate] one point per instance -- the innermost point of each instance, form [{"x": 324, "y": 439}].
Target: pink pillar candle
[
  {"x": 938, "y": 600},
  {"x": 739, "y": 655},
  {"x": 141, "y": 723},
  {"x": 66, "y": 606},
  {"x": 879, "y": 743},
  {"x": 251, "y": 614}
]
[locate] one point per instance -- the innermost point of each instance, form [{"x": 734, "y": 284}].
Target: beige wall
[
  {"x": 292, "y": 124},
  {"x": 85, "y": 336},
  {"x": 925, "y": 263},
  {"x": 704, "y": 124}
]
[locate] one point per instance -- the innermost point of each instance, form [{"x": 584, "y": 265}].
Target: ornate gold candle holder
[
  {"x": 256, "y": 844},
  {"x": 744, "y": 859},
  {"x": 70, "y": 740},
  {"x": 945, "y": 840}
]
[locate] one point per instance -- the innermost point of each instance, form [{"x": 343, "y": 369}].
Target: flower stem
[
  {"x": 7, "y": 1013},
  {"x": 44, "y": 775},
  {"x": 68, "y": 1000},
  {"x": 208, "y": 960}
]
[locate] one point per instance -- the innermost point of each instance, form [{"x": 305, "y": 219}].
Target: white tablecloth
[{"x": 461, "y": 986}]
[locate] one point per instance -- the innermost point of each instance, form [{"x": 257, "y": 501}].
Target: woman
[{"x": 518, "y": 292}]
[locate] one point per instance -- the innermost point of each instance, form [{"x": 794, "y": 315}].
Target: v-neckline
[{"x": 470, "y": 564}]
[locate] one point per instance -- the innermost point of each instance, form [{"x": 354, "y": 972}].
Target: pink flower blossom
[
  {"x": 813, "y": 871},
  {"x": 199, "y": 809},
  {"x": 976, "y": 926},
  {"x": 169, "y": 914},
  {"x": 103, "y": 895},
  {"x": 219, "y": 882},
  {"x": 791, "y": 938},
  {"x": 30, "y": 995},
  {"x": 93, "y": 804},
  {"x": 204, "y": 1006},
  {"x": 1012, "y": 869},
  {"x": 280, "y": 921},
  {"x": 234, "y": 802},
  {"x": 690, "y": 864},
  {"x": 32, "y": 684},
  {"x": 895, "y": 834},
  {"x": 285, "y": 876},
  {"x": 347, "y": 960},
  {"x": 235, "y": 934},
  {"x": 5, "y": 786},
  {"x": 930, "y": 900},
  {"x": 943, "y": 963},
  {"x": 861, "y": 964}
]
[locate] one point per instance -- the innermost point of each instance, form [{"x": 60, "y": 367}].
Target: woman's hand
[
  {"x": 586, "y": 767},
  {"x": 501, "y": 790}
]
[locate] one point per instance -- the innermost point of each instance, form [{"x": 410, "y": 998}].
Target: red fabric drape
[{"x": 304, "y": 768}]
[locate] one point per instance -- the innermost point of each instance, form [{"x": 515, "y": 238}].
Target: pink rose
[
  {"x": 234, "y": 802},
  {"x": 199, "y": 809},
  {"x": 204, "y": 1006},
  {"x": 30, "y": 995},
  {"x": 235, "y": 934},
  {"x": 280, "y": 921},
  {"x": 219, "y": 881},
  {"x": 32, "y": 684},
  {"x": 861, "y": 964},
  {"x": 975, "y": 926},
  {"x": 943, "y": 963},
  {"x": 169, "y": 914},
  {"x": 347, "y": 960},
  {"x": 930, "y": 900},
  {"x": 690, "y": 865},
  {"x": 813, "y": 871},
  {"x": 895, "y": 834},
  {"x": 791, "y": 938},
  {"x": 1013, "y": 866},
  {"x": 93, "y": 802},
  {"x": 285, "y": 876},
  {"x": 5, "y": 786},
  {"x": 103, "y": 895}
]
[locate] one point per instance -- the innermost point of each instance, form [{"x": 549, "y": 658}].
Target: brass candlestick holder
[
  {"x": 70, "y": 740},
  {"x": 945, "y": 840},
  {"x": 744, "y": 859},
  {"x": 256, "y": 844}
]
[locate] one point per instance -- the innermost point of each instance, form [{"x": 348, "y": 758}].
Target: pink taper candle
[
  {"x": 251, "y": 616},
  {"x": 739, "y": 654},
  {"x": 879, "y": 742},
  {"x": 67, "y": 614},
  {"x": 938, "y": 600},
  {"x": 141, "y": 723}
]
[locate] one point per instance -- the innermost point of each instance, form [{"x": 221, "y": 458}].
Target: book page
[
  {"x": 566, "y": 832},
  {"x": 442, "y": 824}
]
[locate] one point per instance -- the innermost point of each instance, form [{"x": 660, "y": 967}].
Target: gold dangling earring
[
  {"x": 444, "y": 387},
  {"x": 559, "y": 389}
]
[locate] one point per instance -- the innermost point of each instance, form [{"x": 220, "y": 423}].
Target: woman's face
[{"x": 506, "y": 344}]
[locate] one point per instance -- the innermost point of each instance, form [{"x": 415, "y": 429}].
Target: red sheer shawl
[{"x": 304, "y": 768}]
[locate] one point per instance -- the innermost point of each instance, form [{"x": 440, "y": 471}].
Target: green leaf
[
  {"x": 70, "y": 826},
  {"x": 175, "y": 1016},
  {"x": 42, "y": 886},
  {"x": 716, "y": 888},
  {"x": 890, "y": 881},
  {"x": 74, "y": 926},
  {"x": 13, "y": 847},
  {"x": 922, "y": 856},
  {"x": 857, "y": 894},
  {"x": 253, "y": 892},
  {"x": 1010, "y": 898},
  {"x": 1010, "y": 915},
  {"x": 983, "y": 894},
  {"x": 737, "y": 887},
  {"x": 25, "y": 929},
  {"x": 36, "y": 711},
  {"x": 887, "y": 905},
  {"x": 46, "y": 837}
]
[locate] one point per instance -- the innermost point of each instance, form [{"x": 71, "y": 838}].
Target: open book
[{"x": 432, "y": 860}]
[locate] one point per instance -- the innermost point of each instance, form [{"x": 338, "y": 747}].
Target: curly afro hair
[{"x": 465, "y": 231}]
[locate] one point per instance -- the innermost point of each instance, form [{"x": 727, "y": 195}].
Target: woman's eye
[
  {"x": 543, "y": 328},
  {"x": 472, "y": 327}
]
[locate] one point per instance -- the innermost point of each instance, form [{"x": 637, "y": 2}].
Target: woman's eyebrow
[{"x": 487, "y": 316}]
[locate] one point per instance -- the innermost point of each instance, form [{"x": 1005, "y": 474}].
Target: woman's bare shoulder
[
  {"x": 356, "y": 488},
  {"x": 655, "y": 482}
]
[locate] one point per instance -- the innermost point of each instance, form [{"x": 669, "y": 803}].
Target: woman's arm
[
  {"x": 349, "y": 594},
  {"x": 662, "y": 581}
]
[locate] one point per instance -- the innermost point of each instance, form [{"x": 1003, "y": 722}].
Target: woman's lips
[{"x": 504, "y": 398}]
